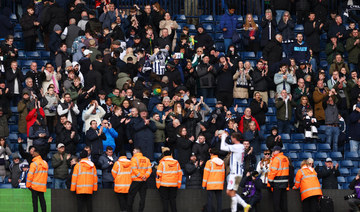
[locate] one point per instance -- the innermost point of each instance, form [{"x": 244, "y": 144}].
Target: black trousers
[
  {"x": 137, "y": 186},
  {"x": 210, "y": 194},
  {"x": 122, "y": 197},
  {"x": 226, "y": 98},
  {"x": 35, "y": 195},
  {"x": 310, "y": 204},
  {"x": 280, "y": 200},
  {"x": 108, "y": 184},
  {"x": 30, "y": 43},
  {"x": 84, "y": 201},
  {"x": 50, "y": 123},
  {"x": 168, "y": 195}
]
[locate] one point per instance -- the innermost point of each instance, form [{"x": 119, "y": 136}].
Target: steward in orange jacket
[
  {"x": 37, "y": 179},
  {"x": 168, "y": 180},
  {"x": 278, "y": 178},
  {"x": 213, "y": 179},
  {"x": 306, "y": 179},
  {"x": 140, "y": 173},
  {"x": 121, "y": 172},
  {"x": 84, "y": 181}
]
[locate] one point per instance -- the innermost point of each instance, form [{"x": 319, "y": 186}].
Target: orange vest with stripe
[
  {"x": 278, "y": 176},
  {"x": 168, "y": 173},
  {"x": 121, "y": 173},
  {"x": 84, "y": 179},
  {"x": 38, "y": 174},
  {"x": 141, "y": 167},
  {"x": 308, "y": 182},
  {"x": 214, "y": 174}
]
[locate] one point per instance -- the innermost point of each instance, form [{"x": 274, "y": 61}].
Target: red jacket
[
  {"x": 31, "y": 118},
  {"x": 241, "y": 124}
]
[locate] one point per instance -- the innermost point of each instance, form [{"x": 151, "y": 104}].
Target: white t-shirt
[{"x": 236, "y": 157}]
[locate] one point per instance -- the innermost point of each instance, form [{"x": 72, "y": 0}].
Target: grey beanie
[{"x": 57, "y": 27}]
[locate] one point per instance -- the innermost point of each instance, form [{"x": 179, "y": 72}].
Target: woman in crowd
[
  {"x": 241, "y": 80},
  {"x": 5, "y": 152},
  {"x": 300, "y": 113},
  {"x": 251, "y": 34},
  {"x": 263, "y": 167},
  {"x": 183, "y": 146}
]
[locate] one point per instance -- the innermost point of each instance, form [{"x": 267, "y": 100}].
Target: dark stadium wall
[{"x": 187, "y": 200}]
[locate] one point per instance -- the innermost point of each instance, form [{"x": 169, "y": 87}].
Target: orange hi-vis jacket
[
  {"x": 168, "y": 173},
  {"x": 214, "y": 174},
  {"x": 279, "y": 171},
  {"x": 141, "y": 167},
  {"x": 121, "y": 172},
  {"x": 84, "y": 179},
  {"x": 306, "y": 179},
  {"x": 38, "y": 174}
]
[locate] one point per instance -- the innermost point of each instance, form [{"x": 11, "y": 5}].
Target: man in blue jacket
[{"x": 228, "y": 25}]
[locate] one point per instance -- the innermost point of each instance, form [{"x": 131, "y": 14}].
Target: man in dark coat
[
  {"x": 36, "y": 76},
  {"x": 144, "y": 130},
  {"x": 14, "y": 79},
  {"x": 312, "y": 31},
  {"x": 338, "y": 29},
  {"x": 272, "y": 53},
  {"x": 6, "y": 27},
  {"x": 329, "y": 175},
  {"x": 194, "y": 172},
  {"x": 268, "y": 24},
  {"x": 55, "y": 41},
  {"x": 29, "y": 26},
  {"x": 260, "y": 79},
  {"x": 201, "y": 148},
  {"x": 225, "y": 85},
  {"x": 94, "y": 138},
  {"x": 203, "y": 39},
  {"x": 54, "y": 15}
]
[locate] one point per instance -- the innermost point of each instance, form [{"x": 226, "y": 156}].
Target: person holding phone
[{"x": 110, "y": 134}]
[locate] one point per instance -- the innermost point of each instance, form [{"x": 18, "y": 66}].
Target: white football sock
[
  {"x": 241, "y": 201},
  {"x": 234, "y": 204}
]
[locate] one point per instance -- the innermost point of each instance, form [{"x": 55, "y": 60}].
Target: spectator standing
[
  {"x": 283, "y": 79},
  {"x": 284, "y": 106},
  {"x": 312, "y": 31},
  {"x": 306, "y": 180},
  {"x": 245, "y": 120},
  {"x": 14, "y": 79},
  {"x": 68, "y": 108},
  {"x": 286, "y": 28},
  {"x": 318, "y": 96},
  {"x": 121, "y": 172},
  {"x": 184, "y": 145},
  {"x": 201, "y": 148},
  {"x": 260, "y": 78},
  {"x": 203, "y": 39},
  {"x": 4, "y": 126},
  {"x": 69, "y": 137},
  {"x": 278, "y": 179},
  {"x": 94, "y": 137},
  {"x": 194, "y": 172},
  {"x": 280, "y": 6},
  {"x": 333, "y": 48},
  {"x": 168, "y": 180},
  {"x": 302, "y": 9},
  {"x": 36, "y": 76},
  {"x": 110, "y": 134},
  {"x": 15, "y": 171},
  {"x": 338, "y": 29},
  {"x": 251, "y": 34},
  {"x": 301, "y": 112},
  {"x": 6, "y": 27},
  {"x": 51, "y": 77},
  {"x": 213, "y": 179},
  {"x": 160, "y": 132},
  {"x": 249, "y": 157},
  {"x": 52, "y": 99},
  {"x": 206, "y": 76},
  {"x": 228, "y": 25},
  {"x": 84, "y": 181},
  {"x": 106, "y": 163},
  {"x": 55, "y": 41},
  {"x": 39, "y": 133},
  {"x": 354, "y": 129},
  {"x": 332, "y": 130},
  {"x": 353, "y": 49},
  {"x": 274, "y": 139},
  {"x": 141, "y": 171},
  {"x": 70, "y": 33},
  {"x": 5, "y": 153},
  {"x": 268, "y": 24},
  {"x": 29, "y": 25},
  {"x": 300, "y": 50},
  {"x": 60, "y": 161},
  {"x": 37, "y": 179},
  {"x": 263, "y": 167},
  {"x": 329, "y": 174},
  {"x": 272, "y": 53},
  {"x": 337, "y": 64},
  {"x": 259, "y": 109},
  {"x": 93, "y": 112}
]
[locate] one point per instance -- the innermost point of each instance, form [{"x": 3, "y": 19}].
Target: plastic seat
[
  {"x": 273, "y": 119},
  {"x": 297, "y": 137},
  {"x": 346, "y": 164},
  {"x": 322, "y": 128},
  {"x": 271, "y": 102},
  {"x": 336, "y": 155},
  {"x": 321, "y": 155},
  {"x": 323, "y": 64},
  {"x": 219, "y": 36},
  {"x": 305, "y": 155},
  {"x": 33, "y": 55},
  {"x": 157, "y": 156},
  {"x": 341, "y": 179},
  {"x": 294, "y": 148},
  {"x": 285, "y": 148},
  {"x": 292, "y": 155},
  {"x": 206, "y": 19},
  {"x": 323, "y": 36},
  {"x": 128, "y": 155},
  {"x": 18, "y": 36},
  {"x": 192, "y": 27},
  {"x": 310, "y": 147},
  {"x": 17, "y": 28},
  {"x": 285, "y": 137},
  {"x": 181, "y": 18},
  {"x": 40, "y": 46},
  {"x": 21, "y": 54},
  {"x": 24, "y": 63},
  {"x": 13, "y": 18},
  {"x": 13, "y": 137},
  {"x": 297, "y": 164},
  {"x": 208, "y": 27},
  {"x": 5, "y": 185},
  {"x": 220, "y": 46},
  {"x": 324, "y": 147},
  {"x": 248, "y": 55},
  {"x": 240, "y": 19},
  {"x": 299, "y": 28},
  {"x": 263, "y": 147},
  {"x": 355, "y": 171},
  {"x": 344, "y": 172},
  {"x": 241, "y": 102},
  {"x": 351, "y": 156},
  {"x": 210, "y": 101},
  {"x": 256, "y": 18},
  {"x": 318, "y": 163},
  {"x": 14, "y": 128},
  {"x": 271, "y": 111},
  {"x": 52, "y": 147}
]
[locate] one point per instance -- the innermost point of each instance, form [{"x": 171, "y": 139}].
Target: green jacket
[
  {"x": 353, "y": 50},
  {"x": 160, "y": 132},
  {"x": 281, "y": 108},
  {"x": 338, "y": 66},
  {"x": 116, "y": 100},
  {"x": 61, "y": 167},
  {"x": 332, "y": 52},
  {"x": 346, "y": 92}
]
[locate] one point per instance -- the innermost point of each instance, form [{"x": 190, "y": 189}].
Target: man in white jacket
[{"x": 93, "y": 112}]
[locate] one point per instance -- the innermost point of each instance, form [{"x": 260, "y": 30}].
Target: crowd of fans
[{"x": 120, "y": 79}]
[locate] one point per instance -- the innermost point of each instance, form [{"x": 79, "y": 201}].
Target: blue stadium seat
[
  {"x": 297, "y": 164},
  {"x": 52, "y": 147},
  {"x": 17, "y": 28},
  {"x": 336, "y": 155},
  {"x": 220, "y": 46},
  {"x": 206, "y": 19},
  {"x": 208, "y": 28},
  {"x": 350, "y": 178},
  {"x": 18, "y": 36},
  {"x": 14, "y": 128},
  {"x": 40, "y": 46},
  {"x": 273, "y": 119},
  {"x": 157, "y": 156},
  {"x": 299, "y": 28},
  {"x": 271, "y": 102},
  {"x": 240, "y": 19},
  {"x": 33, "y": 55},
  {"x": 355, "y": 171},
  {"x": 310, "y": 147},
  {"x": 240, "y": 110},
  {"x": 256, "y": 18},
  {"x": 341, "y": 179},
  {"x": 321, "y": 156},
  {"x": 179, "y": 28},
  {"x": 180, "y": 18},
  {"x": 13, "y": 137},
  {"x": 263, "y": 147},
  {"x": 323, "y": 64},
  {"x": 21, "y": 55},
  {"x": 13, "y": 18},
  {"x": 322, "y": 137},
  {"x": 219, "y": 36},
  {"x": 346, "y": 164},
  {"x": 322, "y": 55},
  {"x": 45, "y": 55},
  {"x": 41, "y": 63},
  {"x": 323, "y": 36},
  {"x": 292, "y": 155},
  {"x": 240, "y": 102},
  {"x": 285, "y": 137},
  {"x": 248, "y": 56},
  {"x": 271, "y": 111},
  {"x": 294, "y": 148},
  {"x": 14, "y": 109},
  {"x": 24, "y": 63},
  {"x": 128, "y": 155},
  {"x": 297, "y": 137},
  {"x": 344, "y": 172},
  {"x": 305, "y": 155},
  {"x": 5, "y": 185},
  {"x": 318, "y": 163},
  {"x": 285, "y": 148},
  {"x": 192, "y": 28},
  {"x": 324, "y": 147},
  {"x": 351, "y": 156},
  {"x": 51, "y": 172},
  {"x": 210, "y": 101}
]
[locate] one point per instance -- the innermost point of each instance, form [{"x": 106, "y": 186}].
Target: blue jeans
[
  {"x": 279, "y": 14},
  {"x": 287, "y": 48},
  {"x": 59, "y": 183},
  {"x": 354, "y": 146},
  {"x": 353, "y": 66},
  {"x": 332, "y": 135},
  {"x": 227, "y": 43},
  {"x": 314, "y": 64},
  {"x": 262, "y": 131},
  {"x": 284, "y": 126}
]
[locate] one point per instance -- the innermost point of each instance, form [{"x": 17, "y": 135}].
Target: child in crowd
[{"x": 311, "y": 125}]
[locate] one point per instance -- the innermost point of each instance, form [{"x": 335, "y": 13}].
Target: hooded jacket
[
  {"x": 110, "y": 134},
  {"x": 121, "y": 172},
  {"x": 84, "y": 179},
  {"x": 230, "y": 22},
  {"x": 37, "y": 175},
  {"x": 168, "y": 173},
  {"x": 214, "y": 174}
]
